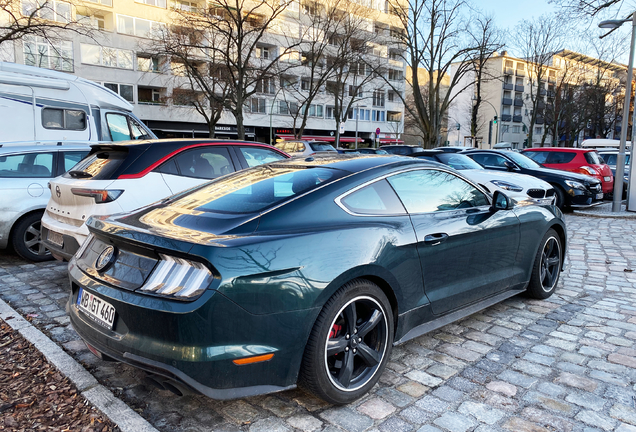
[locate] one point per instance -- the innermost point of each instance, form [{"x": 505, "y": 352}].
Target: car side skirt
[{"x": 443, "y": 320}]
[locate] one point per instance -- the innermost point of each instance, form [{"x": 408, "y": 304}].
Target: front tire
[
  {"x": 350, "y": 344},
  {"x": 26, "y": 239},
  {"x": 560, "y": 197},
  {"x": 547, "y": 266}
]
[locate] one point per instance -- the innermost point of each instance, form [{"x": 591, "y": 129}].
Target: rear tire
[
  {"x": 26, "y": 239},
  {"x": 350, "y": 344},
  {"x": 547, "y": 266}
]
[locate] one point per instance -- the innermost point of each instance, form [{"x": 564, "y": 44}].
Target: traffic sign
[
  {"x": 377, "y": 131},
  {"x": 342, "y": 127}
]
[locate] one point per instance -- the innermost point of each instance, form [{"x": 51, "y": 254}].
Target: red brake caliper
[{"x": 334, "y": 330}]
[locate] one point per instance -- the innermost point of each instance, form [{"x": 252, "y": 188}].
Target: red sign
[{"x": 377, "y": 131}]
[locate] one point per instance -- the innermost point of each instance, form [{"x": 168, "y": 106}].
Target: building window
[
  {"x": 305, "y": 84},
  {"x": 395, "y": 75},
  {"x": 378, "y": 98},
  {"x": 538, "y": 130},
  {"x": 516, "y": 129},
  {"x": 257, "y": 105},
  {"x": 106, "y": 56},
  {"x": 104, "y": 2},
  {"x": 266, "y": 85},
  {"x": 147, "y": 64},
  {"x": 160, "y": 3},
  {"x": 123, "y": 90},
  {"x": 263, "y": 53},
  {"x": 137, "y": 26},
  {"x": 290, "y": 5},
  {"x": 56, "y": 55},
  {"x": 395, "y": 117},
  {"x": 329, "y": 112},
  {"x": 183, "y": 5},
  {"x": 287, "y": 108},
  {"x": 51, "y": 10},
  {"x": 352, "y": 91},
  {"x": 314, "y": 110},
  {"x": 292, "y": 56},
  {"x": 94, "y": 21},
  {"x": 288, "y": 82},
  {"x": 148, "y": 95},
  {"x": 377, "y": 116},
  {"x": 505, "y": 128}
]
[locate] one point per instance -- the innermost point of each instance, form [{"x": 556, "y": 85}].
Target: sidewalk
[{"x": 565, "y": 364}]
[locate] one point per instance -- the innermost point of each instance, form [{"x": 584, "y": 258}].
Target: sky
[{"x": 509, "y": 12}]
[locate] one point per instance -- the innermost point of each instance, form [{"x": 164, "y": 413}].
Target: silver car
[
  {"x": 25, "y": 172},
  {"x": 305, "y": 147}
]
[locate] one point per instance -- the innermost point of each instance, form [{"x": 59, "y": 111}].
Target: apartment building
[
  {"x": 507, "y": 94},
  {"x": 119, "y": 55}
]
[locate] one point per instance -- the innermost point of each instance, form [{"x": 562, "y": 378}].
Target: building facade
[{"x": 119, "y": 55}]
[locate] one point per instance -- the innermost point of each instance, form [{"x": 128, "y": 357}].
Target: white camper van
[{"x": 42, "y": 106}]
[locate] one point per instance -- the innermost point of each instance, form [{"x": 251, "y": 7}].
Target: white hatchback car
[
  {"x": 24, "y": 174},
  {"x": 123, "y": 176}
]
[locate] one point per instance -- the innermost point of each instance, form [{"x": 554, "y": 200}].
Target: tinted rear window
[
  {"x": 593, "y": 158},
  {"x": 257, "y": 189},
  {"x": 99, "y": 165},
  {"x": 557, "y": 157},
  {"x": 459, "y": 162},
  {"x": 321, "y": 147}
]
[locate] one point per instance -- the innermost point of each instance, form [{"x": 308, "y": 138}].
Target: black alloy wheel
[
  {"x": 27, "y": 241},
  {"x": 349, "y": 345},
  {"x": 547, "y": 266}
]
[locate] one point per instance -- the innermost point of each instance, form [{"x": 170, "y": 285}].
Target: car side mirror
[
  {"x": 501, "y": 201},
  {"x": 510, "y": 166}
]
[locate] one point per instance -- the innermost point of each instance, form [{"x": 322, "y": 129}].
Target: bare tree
[
  {"x": 235, "y": 35},
  {"x": 44, "y": 18},
  {"x": 488, "y": 40},
  {"x": 435, "y": 38},
  {"x": 536, "y": 41}
]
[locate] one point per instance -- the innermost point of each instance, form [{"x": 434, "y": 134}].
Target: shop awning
[
  {"x": 390, "y": 141},
  {"x": 321, "y": 138}
]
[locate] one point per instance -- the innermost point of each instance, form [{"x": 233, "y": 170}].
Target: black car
[
  {"x": 453, "y": 149},
  {"x": 572, "y": 189},
  {"x": 366, "y": 150},
  {"x": 404, "y": 150}
]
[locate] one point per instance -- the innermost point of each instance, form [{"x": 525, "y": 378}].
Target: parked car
[
  {"x": 44, "y": 106},
  {"x": 610, "y": 156},
  {"x": 517, "y": 186},
  {"x": 305, "y": 148},
  {"x": 399, "y": 149},
  {"x": 121, "y": 177},
  {"x": 582, "y": 161},
  {"x": 367, "y": 150},
  {"x": 227, "y": 299},
  {"x": 24, "y": 174},
  {"x": 572, "y": 189},
  {"x": 453, "y": 149}
]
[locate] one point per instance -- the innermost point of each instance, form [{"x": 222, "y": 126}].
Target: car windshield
[
  {"x": 610, "y": 158},
  {"x": 257, "y": 189},
  {"x": 459, "y": 162},
  {"x": 321, "y": 147},
  {"x": 380, "y": 151},
  {"x": 523, "y": 161}
]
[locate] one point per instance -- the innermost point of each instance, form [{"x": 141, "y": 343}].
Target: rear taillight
[
  {"x": 100, "y": 195},
  {"x": 178, "y": 278},
  {"x": 587, "y": 170}
]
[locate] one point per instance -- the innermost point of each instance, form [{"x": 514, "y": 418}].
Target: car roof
[
  {"x": 351, "y": 162},
  {"x": 41, "y": 148},
  {"x": 183, "y": 141},
  {"x": 432, "y": 152},
  {"x": 561, "y": 149}
]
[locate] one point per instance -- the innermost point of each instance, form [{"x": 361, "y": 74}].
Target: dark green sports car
[{"x": 304, "y": 271}]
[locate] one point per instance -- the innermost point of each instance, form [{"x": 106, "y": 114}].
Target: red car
[{"x": 582, "y": 161}]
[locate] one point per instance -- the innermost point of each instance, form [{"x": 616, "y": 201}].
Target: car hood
[
  {"x": 523, "y": 180},
  {"x": 566, "y": 174}
]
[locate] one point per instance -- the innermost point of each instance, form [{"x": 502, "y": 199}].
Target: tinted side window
[
  {"x": 593, "y": 158},
  {"x": 489, "y": 160},
  {"x": 37, "y": 165},
  {"x": 55, "y": 118},
  {"x": 376, "y": 199},
  {"x": 118, "y": 127},
  {"x": 168, "y": 167},
  {"x": 537, "y": 156},
  {"x": 258, "y": 155},
  {"x": 425, "y": 191},
  {"x": 560, "y": 157},
  {"x": 205, "y": 162},
  {"x": 72, "y": 158}
]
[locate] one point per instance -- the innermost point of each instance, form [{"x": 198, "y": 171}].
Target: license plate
[
  {"x": 98, "y": 310},
  {"x": 55, "y": 238},
  {"x": 607, "y": 179},
  {"x": 599, "y": 196}
]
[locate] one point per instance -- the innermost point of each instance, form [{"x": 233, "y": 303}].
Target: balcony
[
  {"x": 539, "y": 120},
  {"x": 508, "y": 86},
  {"x": 521, "y": 73},
  {"x": 517, "y": 119},
  {"x": 508, "y": 71},
  {"x": 506, "y": 101},
  {"x": 542, "y": 92},
  {"x": 506, "y": 117},
  {"x": 395, "y": 62},
  {"x": 552, "y": 80},
  {"x": 518, "y": 102},
  {"x": 518, "y": 88}
]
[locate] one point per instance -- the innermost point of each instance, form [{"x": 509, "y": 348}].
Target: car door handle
[{"x": 435, "y": 239}]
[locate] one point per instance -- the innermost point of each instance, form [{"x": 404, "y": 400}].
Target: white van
[
  {"x": 42, "y": 106},
  {"x": 601, "y": 143}
]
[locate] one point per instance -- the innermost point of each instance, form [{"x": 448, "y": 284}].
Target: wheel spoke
[
  {"x": 550, "y": 246},
  {"x": 336, "y": 345},
  {"x": 32, "y": 230},
  {"x": 371, "y": 323},
  {"x": 346, "y": 372},
  {"x": 551, "y": 262},
  {"x": 31, "y": 242},
  {"x": 351, "y": 317},
  {"x": 368, "y": 355}
]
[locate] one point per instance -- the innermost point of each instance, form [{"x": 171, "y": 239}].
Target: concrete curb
[{"x": 113, "y": 408}]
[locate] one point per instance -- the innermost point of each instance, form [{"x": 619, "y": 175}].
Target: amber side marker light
[{"x": 250, "y": 360}]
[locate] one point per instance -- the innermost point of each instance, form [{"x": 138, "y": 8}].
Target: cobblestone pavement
[{"x": 565, "y": 364}]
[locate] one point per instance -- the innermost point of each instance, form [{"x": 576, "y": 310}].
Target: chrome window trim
[{"x": 338, "y": 199}]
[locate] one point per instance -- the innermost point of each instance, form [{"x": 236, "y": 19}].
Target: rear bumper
[
  {"x": 66, "y": 251},
  {"x": 73, "y": 237}
]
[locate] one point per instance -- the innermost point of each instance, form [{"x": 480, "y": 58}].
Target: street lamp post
[
  {"x": 620, "y": 159},
  {"x": 496, "y": 115}
]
